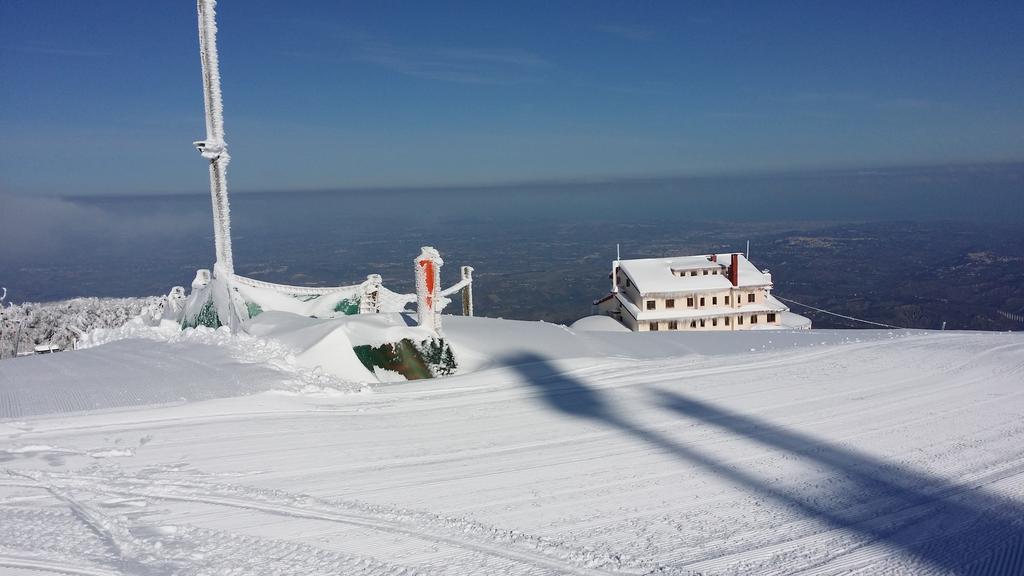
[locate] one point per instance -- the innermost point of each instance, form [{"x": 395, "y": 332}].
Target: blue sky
[{"x": 105, "y": 96}]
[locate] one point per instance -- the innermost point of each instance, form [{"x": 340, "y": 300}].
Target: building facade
[{"x": 712, "y": 292}]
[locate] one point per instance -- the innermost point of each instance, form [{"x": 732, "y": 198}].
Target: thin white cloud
[
  {"x": 458, "y": 64},
  {"x": 56, "y": 51}
]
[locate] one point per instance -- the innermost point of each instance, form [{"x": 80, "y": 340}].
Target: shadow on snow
[{"x": 951, "y": 526}]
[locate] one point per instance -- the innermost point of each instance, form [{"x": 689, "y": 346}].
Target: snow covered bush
[{"x": 24, "y": 326}]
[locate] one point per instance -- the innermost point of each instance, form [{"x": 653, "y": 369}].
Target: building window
[
  {"x": 739, "y": 320},
  {"x": 727, "y": 300},
  {"x": 701, "y": 322},
  {"x": 701, "y": 300},
  {"x": 771, "y": 317},
  {"x": 693, "y": 273},
  {"x": 650, "y": 304},
  {"x": 726, "y": 320},
  {"x": 714, "y": 321},
  {"x": 693, "y": 323},
  {"x": 705, "y": 272},
  {"x": 750, "y": 297},
  {"x": 673, "y": 325},
  {"x": 654, "y": 326},
  {"x": 689, "y": 302},
  {"x": 670, "y": 303},
  {"x": 714, "y": 300},
  {"x": 753, "y": 318}
]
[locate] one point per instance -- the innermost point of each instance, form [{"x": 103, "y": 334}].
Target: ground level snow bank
[
  {"x": 482, "y": 343},
  {"x": 137, "y": 364},
  {"x": 826, "y": 453}
]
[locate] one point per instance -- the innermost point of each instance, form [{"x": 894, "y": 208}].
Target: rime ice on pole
[
  {"x": 215, "y": 148},
  {"x": 428, "y": 279}
]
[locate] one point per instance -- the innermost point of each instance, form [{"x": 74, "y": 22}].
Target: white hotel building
[{"x": 712, "y": 292}]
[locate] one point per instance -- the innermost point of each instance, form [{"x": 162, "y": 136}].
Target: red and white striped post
[{"x": 428, "y": 281}]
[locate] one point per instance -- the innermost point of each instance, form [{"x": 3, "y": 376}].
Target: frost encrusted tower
[{"x": 214, "y": 148}]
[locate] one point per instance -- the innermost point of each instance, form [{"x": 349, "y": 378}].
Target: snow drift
[{"x": 560, "y": 452}]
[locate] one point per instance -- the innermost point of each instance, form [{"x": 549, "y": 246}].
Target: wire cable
[{"x": 836, "y": 314}]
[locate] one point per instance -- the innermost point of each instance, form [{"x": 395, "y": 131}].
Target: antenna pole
[
  {"x": 214, "y": 148},
  {"x": 747, "y": 255},
  {"x": 615, "y": 270}
]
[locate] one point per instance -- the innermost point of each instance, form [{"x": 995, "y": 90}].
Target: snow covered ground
[{"x": 561, "y": 452}]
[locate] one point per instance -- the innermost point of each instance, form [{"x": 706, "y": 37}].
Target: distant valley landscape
[{"x": 544, "y": 252}]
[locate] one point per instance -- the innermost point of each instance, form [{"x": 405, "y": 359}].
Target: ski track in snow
[
  {"x": 537, "y": 555},
  {"x": 891, "y": 455}
]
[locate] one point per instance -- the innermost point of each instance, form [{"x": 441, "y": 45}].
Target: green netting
[
  {"x": 207, "y": 316},
  {"x": 347, "y": 306},
  {"x": 254, "y": 309},
  {"x": 428, "y": 359}
]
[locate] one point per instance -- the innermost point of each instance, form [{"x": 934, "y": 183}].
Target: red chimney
[{"x": 734, "y": 270}]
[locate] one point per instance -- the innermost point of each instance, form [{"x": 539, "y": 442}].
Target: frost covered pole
[
  {"x": 615, "y": 270},
  {"x": 214, "y": 148},
  {"x": 428, "y": 280},
  {"x": 467, "y": 291},
  {"x": 2, "y": 298},
  {"x": 369, "y": 300},
  {"x": 17, "y": 337}
]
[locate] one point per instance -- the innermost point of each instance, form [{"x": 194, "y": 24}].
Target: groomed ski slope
[{"x": 563, "y": 452}]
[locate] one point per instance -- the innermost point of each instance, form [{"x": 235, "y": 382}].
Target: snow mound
[
  {"x": 137, "y": 365},
  {"x": 598, "y": 324},
  {"x": 327, "y": 344}
]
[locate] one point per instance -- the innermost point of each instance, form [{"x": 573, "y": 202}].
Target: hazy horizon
[{"x": 1001, "y": 173}]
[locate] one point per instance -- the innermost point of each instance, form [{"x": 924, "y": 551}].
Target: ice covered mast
[{"x": 214, "y": 148}]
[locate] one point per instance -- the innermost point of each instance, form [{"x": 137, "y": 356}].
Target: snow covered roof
[{"x": 659, "y": 275}]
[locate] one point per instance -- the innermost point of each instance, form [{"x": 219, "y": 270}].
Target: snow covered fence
[
  {"x": 211, "y": 303},
  {"x": 227, "y": 299},
  {"x": 291, "y": 290}
]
